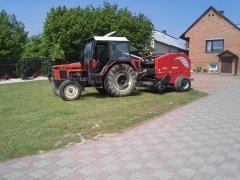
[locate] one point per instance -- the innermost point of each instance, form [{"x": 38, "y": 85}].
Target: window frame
[
  {"x": 213, "y": 69},
  {"x": 212, "y": 43}
]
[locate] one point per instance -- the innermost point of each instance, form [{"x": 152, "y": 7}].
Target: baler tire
[
  {"x": 70, "y": 90},
  {"x": 182, "y": 84},
  {"x": 120, "y": 80},
  {"x": 55, "y": 89}
]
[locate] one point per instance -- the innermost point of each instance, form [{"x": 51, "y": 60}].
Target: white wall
[{"x": 161, "y": 48}]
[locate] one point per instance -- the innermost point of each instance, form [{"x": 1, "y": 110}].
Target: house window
[
  {"x": 212, "y": 67},
  {"x": 214, "y": 46}
]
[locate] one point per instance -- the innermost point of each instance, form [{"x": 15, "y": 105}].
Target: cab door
[{"x": 88, "y": 58}]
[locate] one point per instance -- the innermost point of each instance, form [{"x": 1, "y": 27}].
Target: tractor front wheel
[
  {"x": 55, "y": 89},
  {"x": 120, "y": 80},
  {"x": 182, "y": 84},
  {"x": 70, "y": 90}
]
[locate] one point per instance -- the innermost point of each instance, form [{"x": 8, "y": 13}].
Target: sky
[{"x": 174, "y": 16}]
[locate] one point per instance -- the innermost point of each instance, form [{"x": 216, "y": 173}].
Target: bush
[
  {"x": 199, "y": 69},
  {"x": 46, "y": 66},
  {"x": 205, "y": 70},
  {"x": 24, "y": 67}
]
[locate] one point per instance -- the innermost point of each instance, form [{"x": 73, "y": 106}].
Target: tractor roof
[{"x": 109, "y": 38}]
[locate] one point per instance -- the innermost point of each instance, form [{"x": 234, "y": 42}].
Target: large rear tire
[
  {"x": 101, "y": 90},
  {"x": 120, "y": 80},
  {"x": 70, "y": 90},
  {"x": 182, "y": 84}
]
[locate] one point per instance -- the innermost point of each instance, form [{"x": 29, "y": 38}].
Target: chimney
[
  {"x": 221, "y": 12},
  {"x": 164, "y": 31}
]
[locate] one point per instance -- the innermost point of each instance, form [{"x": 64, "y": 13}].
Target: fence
[{"x": 8, "y": 68}]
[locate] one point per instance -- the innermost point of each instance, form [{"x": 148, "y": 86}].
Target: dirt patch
[{"x": 211, "y": 83}]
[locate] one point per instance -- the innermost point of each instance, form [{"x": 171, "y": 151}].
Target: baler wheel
[
  {"x": 182, "y": 84},
  {"x": 120, "y": 80},
  {"x": 70, "y": 90}
]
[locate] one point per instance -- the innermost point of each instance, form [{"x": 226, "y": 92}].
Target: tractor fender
[{"x": 78, "y": 81}]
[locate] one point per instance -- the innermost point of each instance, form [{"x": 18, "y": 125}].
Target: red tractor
[{"x": 110, "y": 68}]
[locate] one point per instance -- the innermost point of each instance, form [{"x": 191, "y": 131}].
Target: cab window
[
  {"x": 119, "y": 51},
  {"x": 88, "y": 51}
]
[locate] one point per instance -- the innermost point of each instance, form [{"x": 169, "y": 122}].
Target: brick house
[{"x": 214, "y": 43}]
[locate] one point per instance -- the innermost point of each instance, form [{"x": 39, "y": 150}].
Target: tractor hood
[{"x": 68, "y": 66}]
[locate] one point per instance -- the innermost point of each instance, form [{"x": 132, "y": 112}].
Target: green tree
[
  {"x": 12, "y": 36},
  {"x": 65, "y": 30},
  {"x": 34, "y": 48}
]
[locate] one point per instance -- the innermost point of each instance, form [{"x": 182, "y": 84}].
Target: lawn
[{"x": 32, "y": 119}]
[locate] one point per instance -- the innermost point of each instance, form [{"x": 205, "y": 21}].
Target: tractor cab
[
  {"x": 102, "y": 51},
  {"x": 107, "y": 66}
]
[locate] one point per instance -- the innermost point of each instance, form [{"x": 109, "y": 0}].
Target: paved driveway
[
  {"x": 211, "y": 83},
  {"x": 198, "y": 141}
]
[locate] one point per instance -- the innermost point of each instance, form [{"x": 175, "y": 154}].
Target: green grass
[{"x": 32, "y": 119}]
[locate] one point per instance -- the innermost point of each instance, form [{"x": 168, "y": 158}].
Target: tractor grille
[{"x": 63, "y": 74}]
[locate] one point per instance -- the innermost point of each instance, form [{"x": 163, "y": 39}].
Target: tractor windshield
[
  {"x": 88, "y": 51},
  {"x": 119, "y": 51}
]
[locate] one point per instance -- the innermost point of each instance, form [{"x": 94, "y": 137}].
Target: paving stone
[
  {"x": 186, "y": 152},
  {"x": 64, "y": 161},
  {"x": 163, "y": 174},
  {"x": 63, "y": 172},
  {"x": 205, "y": 150},
  {"x": 38, "y": 173},
  {"x": 154, "y": 164},
  {"x": 123, "y": 172},
  {"x": 133, "y": 166},
  {"x": 202, "y": 176},
  {"x": 140, "y": 176},
  {"x": 176, "y": 162},
  {"x": 88, "y": 170},
  {"x": 12, "y": 175},
  {"x": 186, "y": 172},
  {"x": 216, "y": 158},
  {"x": 230, "y": 167},
  {"x": 111, "y": 168},
  {"x": 42, "y": 163},
  {"x": 65, "y": 153},
  {"x": 196, "y": 160},
  {"x": 18, "y": 165},
  {"x": 115, "y": 176},
  {"x": 208, "y": 170}
]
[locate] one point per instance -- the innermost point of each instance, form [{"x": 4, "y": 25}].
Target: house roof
[
  {"x": 228, "y": 53},
  {"x": 169, "y": 40},
  {"x": 215, "y": 11}
]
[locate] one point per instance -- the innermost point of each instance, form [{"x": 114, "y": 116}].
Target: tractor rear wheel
[
  {"x": 70, "y": 90},
  {"x": 120, "y": 80},
  {"x": 101, "y": 90},
  {"x": 182, "y": 84}
]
